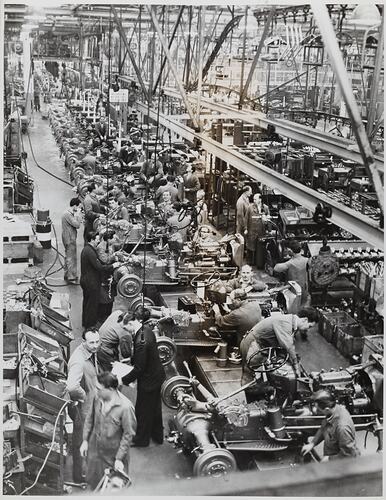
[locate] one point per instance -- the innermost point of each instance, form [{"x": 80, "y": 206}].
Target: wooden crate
[
  {"x": 17, "y": 249},
  {"x": 329, "y": 323},
  {"x": 15, "y": 267},
  {"x": 350, "y": 339}
]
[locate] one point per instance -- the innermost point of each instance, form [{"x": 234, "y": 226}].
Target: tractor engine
[{"x": 342, "y": 384}]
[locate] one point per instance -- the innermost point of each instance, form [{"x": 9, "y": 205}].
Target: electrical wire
[
  {"x": 50, "y": 449},
  {"x": 42, "y": 168}
]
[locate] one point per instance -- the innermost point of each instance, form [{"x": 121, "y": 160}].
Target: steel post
[
  {"x": 327, "y": 31},
  {"x": 379, "y": 58}
]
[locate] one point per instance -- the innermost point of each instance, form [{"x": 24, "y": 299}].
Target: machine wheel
[
  {"x": 276, "y": 357},
  {"x": 167, "y": 350},
  {"x": 170, "y": 389},
  {"x": 139, "y": 301},
  {"x": 215, "y": 463},
  {"x": 130, "y": 285}
]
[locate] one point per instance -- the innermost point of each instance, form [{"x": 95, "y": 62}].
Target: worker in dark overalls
[{"x": 256, "y": 228}]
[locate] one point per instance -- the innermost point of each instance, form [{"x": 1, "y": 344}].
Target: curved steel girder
[
  {"x": 351, "y": 220},
  {"x": 228, "y": 28}
]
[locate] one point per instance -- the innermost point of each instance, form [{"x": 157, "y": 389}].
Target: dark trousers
[
  {"x": 90, "y": 306},
  {"x": 78, "y": 475},
  {"x": 148, "y": 411},
  {"x": 104, "y": 311}
]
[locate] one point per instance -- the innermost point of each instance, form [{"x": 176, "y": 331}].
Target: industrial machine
[{"x": 214, "y": 430}]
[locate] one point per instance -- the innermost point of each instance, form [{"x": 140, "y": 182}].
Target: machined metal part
[
  {"x": 167, "y": 350},
  {"x": 172, "y": 388},
  {"x": 215, "y": 463},
  {"x": 140, "y": 301},
  {"x": 130, "y": 285}
]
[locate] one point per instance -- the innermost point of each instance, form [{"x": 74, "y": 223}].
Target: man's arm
[
  {"x": 89, "y": 421},
  {"x": 230, "y": 320},
  {"x": 285, "y": 340},
  {"x": 231, "y": 285},
  {"x": 88, "y": 211},
  {"x": 281, "y": 268},
  {"x": 140, "y": 359},
  {"x": 258, "y": 286},
  {"x": 126, "y": 346},
  {"x": 73, "y": 220},
  {"x": 127, "y": 433},
  {"x": 74, "y": 379},
  {"x": 96, "y": 263}
]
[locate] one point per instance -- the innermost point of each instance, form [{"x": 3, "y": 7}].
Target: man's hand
[
  {"x": 307, "y": 448},
  {"x": 83, "y": 449},
  {"x": 116, "y": 264},
  {"x": 216, "y": 309},
  {"x": 118, "y": 465}
]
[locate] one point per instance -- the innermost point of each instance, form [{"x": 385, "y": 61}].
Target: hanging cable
[{"x": 42, "y": 168}]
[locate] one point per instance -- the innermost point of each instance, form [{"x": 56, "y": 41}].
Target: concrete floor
[{"x": 158, "y": 462}]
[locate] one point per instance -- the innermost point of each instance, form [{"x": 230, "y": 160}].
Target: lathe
[{"x": 214, "y": 430}]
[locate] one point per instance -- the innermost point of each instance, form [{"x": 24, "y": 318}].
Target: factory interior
[{"x": 193, "y": 248}]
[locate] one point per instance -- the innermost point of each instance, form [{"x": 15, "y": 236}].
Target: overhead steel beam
[
  {"x": 338, "y": 146},
  {"x": 171, "y": 64},
  {"x": 257, "y": 55},
  {"x": 330, "y": 42},
  {"x": 351, "y": 220},
  {"x": 175, "y": 28},
  {"x": 122, "y": 34}
]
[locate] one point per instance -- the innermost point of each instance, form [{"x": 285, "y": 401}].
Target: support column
[
  {"x": 201, "y": 19},
  {"x": 27, "y": 75},
  {"x": 332, "y": 47},
  {"x": 376, "y": 76}
]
